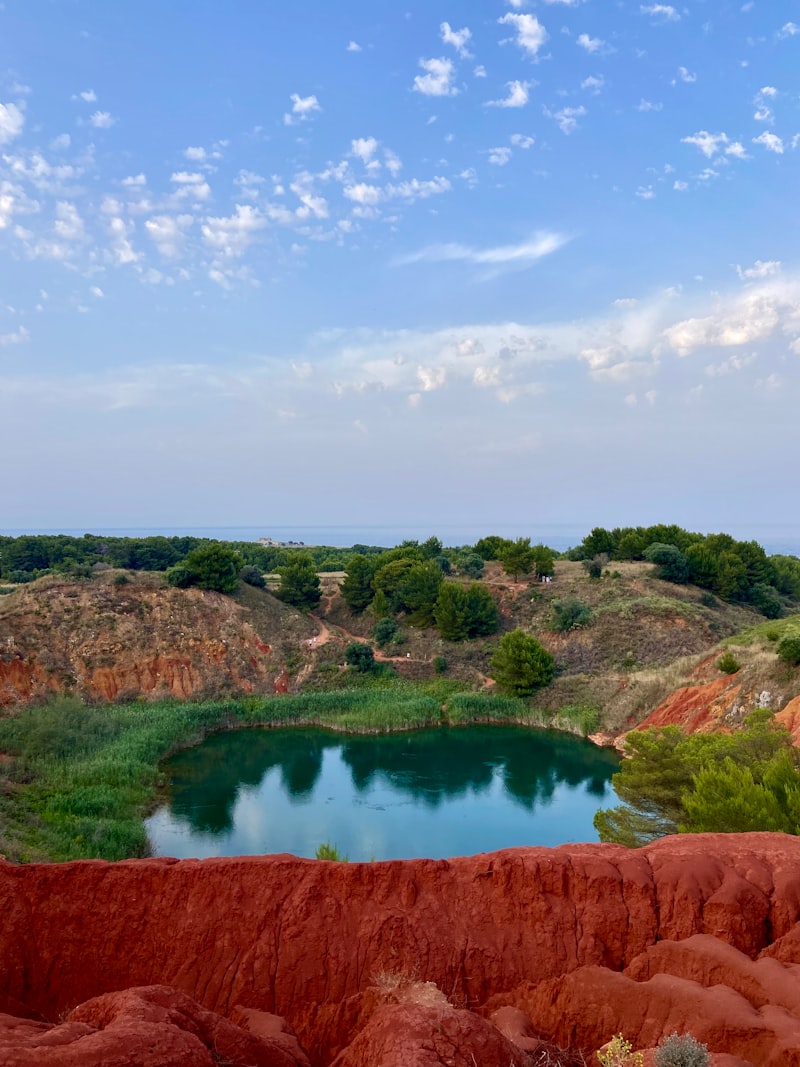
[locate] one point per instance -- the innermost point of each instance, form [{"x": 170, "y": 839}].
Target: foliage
[
  {"x": 569, "y": 613},
  {"x": 594, "y": 567},
  {"x": 465, "y": 611},
  {"x": 359, "y": 656},
  {"x": 252, "y": 576},
  {"x": 717, "y": 782},
  {"x": 789, "y": 649},
  {"x": 483, "y": 707},
  {"x": 299, "y": 582},
  {"x": 766, "y": 600},
  {"x": 327, "y": 851},
  {"x": 385, "y": 632},
  {"x": 543, "y": 561},
  {"x": 521, "y": 665},
  {"x": 215, "y": 567},
  {"x": 472, "y": 566},
  {"x": 673, "y": 565},
  {"x": 681, "y": 1050},
  {"x": 417, "y": 592},
  {"x": 620, "y": 1054},
  {"x": 439, "y": 664},
  {"x": 517, "y": 557},
  {"x": 491, "y": 547},
  {"x": 583, "y": 719},
  {"x": 179, "y": 576},
  {"x": 356, "y": 589},
  {"x": 728, "y": 663},
  {"x": 787, "y": 575}
]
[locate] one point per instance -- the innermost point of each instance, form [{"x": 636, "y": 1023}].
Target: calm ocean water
[{"x": 776, "y": 538}]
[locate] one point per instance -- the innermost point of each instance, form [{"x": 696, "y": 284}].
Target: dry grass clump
[{"x": 646, "y": 690}]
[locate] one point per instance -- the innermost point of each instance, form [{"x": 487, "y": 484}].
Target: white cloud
[
  {"x": 61, "y": 143},
  {"x": 364, "y": 194},
  {"x": 419, "y": 190},
  {"x": 737, "y": 150},
  {"x": 770, "y": 141},
  {"x": 312, "y": 205},
  {"x": 11, "y": 122},
  {"x": 231, "y": 236},
  {"x": 764, "y": 112},
  {"x": 521, "y": 140},
  {"x": 518, "y": 95},
  {"x": 89, "y": 95},
  {"x": 760, "y": 269},
  {"x": 498, "y": 157},
  {"x": 789, "y": 29},
  {"x": 459, "y": 39},
  {"x": 660, "y": 11},
  {"x": 680, "y": 186},
  {"x": 626, "y": 302},
  {"x": 69, "y": 224},
  {"x": 646, "y": 192},
  {"x": 480, "y": 71},
  {"x": 191, "y": 186},
  {"x": 531, "y": 34},
  {"x": 134, "y": 181},
  {"x": 17, "y": 337},
  {"x": 168, "y": 233},
  {"x": 567, "y": 117},
  {"x": 594, "y": 83},
  {"x": 590, "y": 44},
  {"x": 302, "y": 109},
  {"x": 685, "y": 76},
  {"x": 97, "y": 292},
  {"x": 364, "y": 148},
  {"x": 708, "y": 143},
  {"x": 102, "y": 120},
  {"x": 431, "y": 378},
  {"x": 195, "y": 153},
  {"x": 438, "y": 79},
  {"x": 648, "y": 105},
  {"x": 353, "y": 46},
  {"x": 520, "y": 255},
  {"x": 122, "y": 251}
]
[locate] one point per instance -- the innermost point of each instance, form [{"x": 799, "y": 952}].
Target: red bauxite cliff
[{"x": 574, "y": 944}]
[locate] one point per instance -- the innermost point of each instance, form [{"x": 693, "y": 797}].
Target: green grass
[
  {"x": 82, "y": 777},
  {"x": 766, "y": 633}
]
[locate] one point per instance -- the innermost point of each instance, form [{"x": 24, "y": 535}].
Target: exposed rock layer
[{"x": 697, "y": 933}]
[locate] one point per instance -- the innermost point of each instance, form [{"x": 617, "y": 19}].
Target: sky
[{"x": 495, "y": 261}]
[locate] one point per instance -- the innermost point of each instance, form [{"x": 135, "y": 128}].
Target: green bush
[
  {"x": 521, "y": 665},
  {"x": 681, "y": 1050},
  {"x": 472, "y": 566},
  {"x": 252, "y": 576},
  {"x": 385, "y": 632},
  {"x": 708, "y": 600},
  {"x": 179, "y": 576},
  {"x": 569, "y": 613},
  {"x": 359, "y": 656},
  {"x": 439, "y": 664},
  {"x": 728, "y": 663},
  {"x": 593, "y": 567},
  {"x": 789, "y": 649},
  {"x": 327, "y": 851}
]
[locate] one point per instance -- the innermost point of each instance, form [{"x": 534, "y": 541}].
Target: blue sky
[{"x": 528, "y": 261}]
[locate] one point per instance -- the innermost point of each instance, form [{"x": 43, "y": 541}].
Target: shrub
[
  {"x": 673, "y": 565},
  {"x": 439, "y": 664},
  {"x": 593, "y": 567},
  {"x": 521, "y": 665},
  {"x": 620, "y": 1054},
  {"x": 472, "y": 566},
  {"x": 252, "y": 575},
  {"x": 327, "y": 851},
  {"x": 121, "y": 579},
  {"x": 766, "y": 600},
  {"x": 789, "y": 649},
  {"x": 708, "y": 600},
  {"x": 569, "y": 613},
  {"x": 681, "y": 1050},
  {"x": 728, "y": 663},
  {"x": 359, "y": 656},
  {"x": 772, "y": 635},
  {"x": 385, "y": 631},
  {"x": 179, "y": 576}
]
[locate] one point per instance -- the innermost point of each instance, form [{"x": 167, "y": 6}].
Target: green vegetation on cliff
[{"x": 727, "y": 783}]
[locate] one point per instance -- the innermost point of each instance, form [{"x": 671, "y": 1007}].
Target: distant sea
[{"x": 776, "y": 539}]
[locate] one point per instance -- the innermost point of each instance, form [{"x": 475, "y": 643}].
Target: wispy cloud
[
  {"x": 518, "y": 95},
  {"x": 519, "y": 255},
  {"x": 437, "y": 79}
]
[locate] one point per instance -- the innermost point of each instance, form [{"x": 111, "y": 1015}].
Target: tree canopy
[
  {"x": 299, "y": 582},
  {"x": 521, "y": 665}
]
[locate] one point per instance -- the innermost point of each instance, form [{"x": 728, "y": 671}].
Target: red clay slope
[{"x": 587, "y": 940}]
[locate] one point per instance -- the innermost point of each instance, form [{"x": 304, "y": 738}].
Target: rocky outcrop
[
  {"x": 695, "y": 932},
  {"x": 106, "y": 641}
]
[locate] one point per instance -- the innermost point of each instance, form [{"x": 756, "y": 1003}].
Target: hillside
[{"x": 122, "y": 635}]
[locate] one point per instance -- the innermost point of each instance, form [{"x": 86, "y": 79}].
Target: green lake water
[{"x": 436, "y": 793}]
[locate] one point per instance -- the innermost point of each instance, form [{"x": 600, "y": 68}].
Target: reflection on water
[{"x": 429, "y": 793}]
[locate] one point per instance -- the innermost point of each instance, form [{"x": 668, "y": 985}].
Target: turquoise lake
[{"x": 436, "y": 793}]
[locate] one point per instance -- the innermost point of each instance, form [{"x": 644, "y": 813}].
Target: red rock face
[{"x": 694, "y": 933}]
